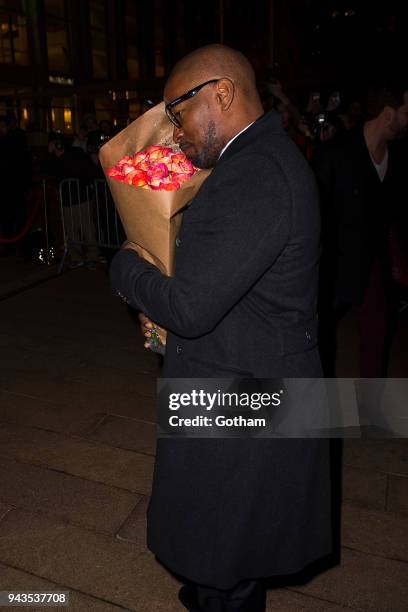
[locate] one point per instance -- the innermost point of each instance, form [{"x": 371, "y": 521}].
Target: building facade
[{"x": 63, "y": 59}]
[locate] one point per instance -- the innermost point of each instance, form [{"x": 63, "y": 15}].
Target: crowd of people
[{"x": 358, "y": 150}]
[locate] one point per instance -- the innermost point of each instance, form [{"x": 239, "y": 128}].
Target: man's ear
[
  {"x": 389, "y": 114},
  {"x": 225, "y": 93}
]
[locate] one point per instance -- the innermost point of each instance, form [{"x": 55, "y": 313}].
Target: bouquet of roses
[
  {"x": 157, "y": 167},
  {"x": 151, "y": 181}
]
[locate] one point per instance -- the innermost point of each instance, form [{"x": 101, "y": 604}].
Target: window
[
  {"x": 57, "y": 45},
  {"x": 62, "y": 114},
  {"x": 57, "y": 36},
  {"x": 13, "y": 34},
  {"x": 26, "y": 112},
  {"x": 56, "y": 8},
  {"x": 103, "y": 108},
  {"x": 159, "y": 40},
  {"x": 99, "y": 40},
  {"x": 20, "y": 44},
  {"x": 133, "y": 65}
]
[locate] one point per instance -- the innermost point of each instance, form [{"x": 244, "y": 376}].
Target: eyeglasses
[{"x": 190, "y": 94}]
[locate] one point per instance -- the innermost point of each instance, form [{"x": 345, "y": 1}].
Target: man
[
  {"x": 226, "y": 513},
  {"x": 362, "y": 179}
]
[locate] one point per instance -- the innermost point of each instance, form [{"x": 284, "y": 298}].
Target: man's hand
[{"x": 145, "y": 327}]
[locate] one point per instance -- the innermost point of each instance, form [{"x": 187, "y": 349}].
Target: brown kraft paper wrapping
[{"x": 151, "y": 218}]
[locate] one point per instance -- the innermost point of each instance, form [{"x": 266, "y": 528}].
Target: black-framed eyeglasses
[{"x": 190, "y": 94}]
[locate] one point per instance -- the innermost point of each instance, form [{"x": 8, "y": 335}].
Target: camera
[{"x": 319, "y": 123}]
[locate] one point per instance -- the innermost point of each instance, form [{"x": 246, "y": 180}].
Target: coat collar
[{"x": 269, "y": 122}]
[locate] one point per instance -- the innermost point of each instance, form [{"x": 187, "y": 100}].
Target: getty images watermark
[
  {"x": 290, "y": 407},
  {"x": 219, "y": 400}
]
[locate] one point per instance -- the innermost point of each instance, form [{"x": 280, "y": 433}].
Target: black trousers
[{"x": 246, "y": 596}]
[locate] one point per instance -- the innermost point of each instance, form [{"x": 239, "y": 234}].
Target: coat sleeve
[{"x": 245, "y": 233}]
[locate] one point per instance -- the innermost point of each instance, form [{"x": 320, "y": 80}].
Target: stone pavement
[
  {"x": 77, "y": 442},
  {"x": 17, "y": 274}
]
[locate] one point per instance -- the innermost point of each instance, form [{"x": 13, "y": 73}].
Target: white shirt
[
  {"x": 234, "y": 137},
  {"x": 382, "y": 167}
]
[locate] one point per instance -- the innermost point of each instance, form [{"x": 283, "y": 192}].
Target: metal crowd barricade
[{"x": 90, "y": 222}]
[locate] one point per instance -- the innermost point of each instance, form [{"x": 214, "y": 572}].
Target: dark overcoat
[
  {"x": 242, "y": 303},
  {"x": 358, "y": 212}
]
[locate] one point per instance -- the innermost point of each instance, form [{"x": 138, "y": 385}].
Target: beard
[{"x": 208, "y": 155}]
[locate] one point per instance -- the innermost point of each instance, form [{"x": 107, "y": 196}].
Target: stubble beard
[{"x": 208, "y": 156}]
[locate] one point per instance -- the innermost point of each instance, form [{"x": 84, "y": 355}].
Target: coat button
[
  {"x": 178, "y": 242},
  {"x": 308, "y": 336},
  {"x": 179, "y": 349}
]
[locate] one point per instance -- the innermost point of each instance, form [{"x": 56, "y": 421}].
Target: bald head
[
  {"x": 226, "y": 103},
  {"x": 216, "y": 61}
]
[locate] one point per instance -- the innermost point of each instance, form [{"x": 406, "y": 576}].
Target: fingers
[
  {"x": 145, "y": 327},
  {"x": 145, "y": 321}
]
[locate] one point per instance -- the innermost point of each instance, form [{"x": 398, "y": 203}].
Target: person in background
[
  {"x": 329, "y": 128},
  {"x": 363, "y": 192},
  {"x": 273, "y": 96},
  {"x": 67, "y": 162},
  {"x": 106, "y": 129},
  {"x": 90, "y": 123},
  {"x": 81, "y": 138}
]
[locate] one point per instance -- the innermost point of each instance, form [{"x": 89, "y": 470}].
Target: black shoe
[{"x": 188, "y": 597}]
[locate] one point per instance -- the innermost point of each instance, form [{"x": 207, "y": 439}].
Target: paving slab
[
  {"x": 377, "y": 455},
  {"x": 72, "y": 352},
  {"x": 35, "y": 412},
  {"x": 375, "y": 532},
  {"x": 85, "y": 280},
  {"x": 68, "y": 498},
  {"x": 86, "y": 312},
  {"x": 364, "y": 487},
  {"x": 63, "y": 326},
  {"x": 75, "y": 385},
  {"x": 134, "y": 528},
  {"x": 30, "y": 335},
  {"x": 363, "y": 582},
  {"x": 283, "y": 600},
  {"x": 72, "y": 418},
  {"x": 78, "y": 457},
  {"x": 16, "y": 274},
  {"x": 64, "y": 345},
  {"x": 94, "y": 564},
  {"x": 59, "y": 359},
  {"x": 137, "y": 407},
  {"x": 126, "y": 433},
  {"x": 12, "y": 579},
  {"x": 42, "y": 338},
  {"x": 397, "y": 498},
  {"x": 65, "y": 353}
]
